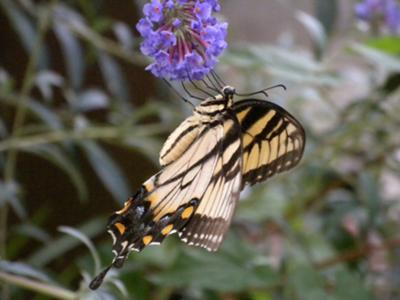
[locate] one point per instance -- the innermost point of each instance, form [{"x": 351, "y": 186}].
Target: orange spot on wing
[
  {"x": 147, "y": 239},
  {"x": 121, "y": 227},
  {"x": 187, "y": 212},
  {"x": 167, "y": 229}
]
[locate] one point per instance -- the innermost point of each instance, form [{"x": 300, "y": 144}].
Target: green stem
[
  {"x": 27, "y": 84},
  {"x": 43, "y": 288},
  {"x": 108, "y": 45},
  {"x": 89, "y": 133}
]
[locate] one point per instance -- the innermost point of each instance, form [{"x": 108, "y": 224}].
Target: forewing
[
  {"x": 273, "y": 140},
  {"x": 179, "y": 140},
  {"x": 212, "y": 218},
  {"x": 167, "y": 201}
]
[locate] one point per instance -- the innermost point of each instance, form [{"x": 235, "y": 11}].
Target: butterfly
[{"x": 205, "y": 163}]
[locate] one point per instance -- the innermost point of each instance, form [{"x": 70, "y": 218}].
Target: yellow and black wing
[
  {"x": 194, "y": 195},
  {"x": 212, "y": 218},
  {"x": 166, "y": 202},
  {"x": 273, "y": 140}
]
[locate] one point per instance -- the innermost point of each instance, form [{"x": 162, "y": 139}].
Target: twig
[
  {"x": 43, "y": 288},
  {"x": 104, "y": 133},
  {"x": 107, "y": 45},
  {"x": 27, "y": 84},
  {"x": 354, "y": 254}
]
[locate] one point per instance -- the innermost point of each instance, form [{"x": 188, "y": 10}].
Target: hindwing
[
  {"x": 195, "y": 194},
  {"x": 273, "y": 140},
  {"x": 212, "y": 218}
]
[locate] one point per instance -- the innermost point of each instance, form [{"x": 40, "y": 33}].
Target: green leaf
[
  {"x": 107, "y": 170},
  {"x": 315, "y": 29},
  {"x": 25, "y": 29},
  {"x": 387, "y": 44},
  {"x": 32, "y": 231},
  {"x": 261, "y": 296},
  {"x": 124, "y": 35},
  {"x": 379, "y": 58},
  {"x": 45, "y": 114},
  {"x": 45, "y": 80},
  {"x": 358, "y": 290},
  {"x": 113, "y": 77},
  {"x": 234, "y": 268},
  {"x": 58, "y": 247},
  {"x": 367, "y": 190},
  {"x": 24, "y": 270},
  {"x": 72, "y": 50},
  {"x": 305, "y": 284},
  {"x": 9, "y": 193},
  {"x": 327, "y": 12},
  {"x": 91, "y": 99},
  {"x": 281, "y": 63},
  {"x": 53, "y": 154},
  {"x": 85, "y": 240},
  {"x": 264, "y": 202}
]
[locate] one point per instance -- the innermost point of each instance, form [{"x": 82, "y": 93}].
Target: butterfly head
[
  {"x": 214, "y": 105},
  {"x": 228, "y": 92}
]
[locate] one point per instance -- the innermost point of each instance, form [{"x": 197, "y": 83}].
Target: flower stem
[
  {"x": 27, "y": 84},
  {"x": 43, "y": 288},
  {"x": 103, "y": 133}
]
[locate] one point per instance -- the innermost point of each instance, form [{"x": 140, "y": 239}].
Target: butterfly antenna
[
  {"x": 218, "y": 79},
  {"x": 211, "y": 85},
  {"x": 263, "y": 91},
  {"x": 196, "y": 87},
  {"x": 177, "y": 92},
  {"x": 189, "y": 93},
  {"x": 200, "y": 89}
]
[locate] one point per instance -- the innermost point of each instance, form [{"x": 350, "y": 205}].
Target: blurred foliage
[{"x": 81, "y": 124}]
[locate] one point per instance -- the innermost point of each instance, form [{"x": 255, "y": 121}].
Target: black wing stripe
[
  {"x": 211, "y": 153},
  {"x": 178, "y": 139},
  {"x": 273, "y": 140},
  {"x": 226, "y": 211},
  {"x": 142, "y": 221},
  {"x": 251, "y": 117},
  {"x": 214, "y": 214},
  {"x": 171, "y": 200},
  {"x": 182, "y": 137}
]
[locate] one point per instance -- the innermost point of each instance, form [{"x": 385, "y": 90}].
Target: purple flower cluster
[
  {"x": 380, "y": 11},
  {"x": 182, "y": 37}
]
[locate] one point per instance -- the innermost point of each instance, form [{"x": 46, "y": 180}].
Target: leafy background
[{"x": 81, "y": 124}]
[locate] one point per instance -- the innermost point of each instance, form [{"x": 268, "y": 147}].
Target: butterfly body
[
  {"x": 142, "y": 220},
  {"x": 206, "y": 161},
  {"x": 211, "y": 110}
]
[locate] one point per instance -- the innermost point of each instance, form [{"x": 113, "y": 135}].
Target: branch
[
  {"x": 107, "y": 45},
  {"x": 43, "y": 288},
  {"x": 355, "y": 254},
  {"x": 105, "y": 132}
]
